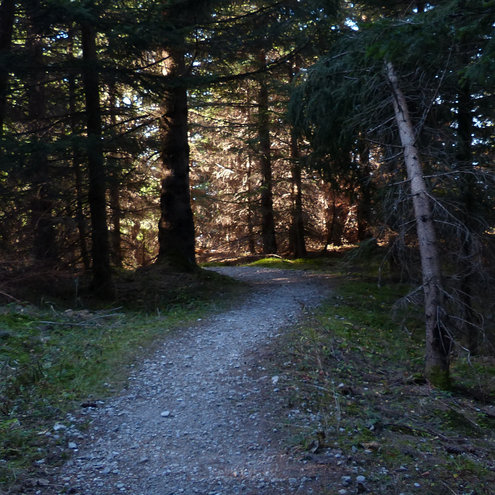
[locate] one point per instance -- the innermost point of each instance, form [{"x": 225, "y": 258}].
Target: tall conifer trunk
[
  {"x": 102, "y": 275},
  {"x": 77, "y": 162},
  {"x": 176, "y": 227},
  {"x": 267, "y": 219},
  {"x": 297, "y": 244},
  {"x": 44, "y": 248},
  {"x": 114, "y": 188},
  {"x": 438, "y": 341},
  {"x": 297, "y": 240},
  {"x": 7, "y": 13}
]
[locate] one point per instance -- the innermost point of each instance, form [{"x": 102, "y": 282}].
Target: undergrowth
[{"x": 357, "y": 366}]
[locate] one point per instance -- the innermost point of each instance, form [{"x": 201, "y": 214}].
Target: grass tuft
[{"x": 357, "y": 371}]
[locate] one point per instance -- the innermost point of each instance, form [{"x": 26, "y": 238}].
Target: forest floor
[
  {"x": 309, "y": 382},
  {"x": 202, "y": 414}
]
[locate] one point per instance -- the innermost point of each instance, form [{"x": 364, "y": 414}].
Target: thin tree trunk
[
  {"x": 114, "y": 190},
  {"x": 469, "y": 325},
  {"x": 296, "y": 237},
  {"x": 364, "y": 202},
  {"x": 176, "y": 228},
  {"x": 7, "y": 14},
  {"x": 297, "y": 240},
  {"x": 77, "y": 165},
  {"x": 438, "y": 341},
  {"x": 44, "y": 248},
  {"x": 267, "y": 218},
  {"x": 102, "y": 275},
  {"x": 250, "y": 224}
]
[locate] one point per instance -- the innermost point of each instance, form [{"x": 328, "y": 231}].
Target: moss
[{"x": 439, "y": 377}]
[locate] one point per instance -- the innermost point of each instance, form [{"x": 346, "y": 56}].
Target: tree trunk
[
  {"x": 364, "y": 202},
  {"x": 7, "y": 14},
  {"x": 114, "y": 189},
  {"x": 438, "y": 341},
  {"x": 297, "y": 244},
  {"x": 250, "y": 224},
  {"x": 297, "y": 241},
  {"x": 44, "y": 248},
  {"x": 176, "y": 227},
  {"x": 77, "y": 165},
  {"x": 102, "y": 276},
  {"x": 267, "y": 219}
]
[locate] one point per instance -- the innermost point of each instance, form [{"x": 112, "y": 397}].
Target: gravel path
[{"x": 200, "y": 416}]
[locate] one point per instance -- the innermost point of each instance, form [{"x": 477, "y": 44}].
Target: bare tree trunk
[
  {"x": 7, "y": 13},
  {"x": 176, "y": 228},
  {"x": 267, "y": 219},
  {"x": 102, "y": 276},
  {"x": 438, "y": 341}
]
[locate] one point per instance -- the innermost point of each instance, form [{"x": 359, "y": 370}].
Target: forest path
[{"x": 201, "y": 415}]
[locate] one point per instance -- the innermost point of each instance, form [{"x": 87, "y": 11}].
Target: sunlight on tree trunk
[
  {"x": 438, "y": 341},
  {"x": 176, "y": 227},
  {"x": 267, "y": 220}
]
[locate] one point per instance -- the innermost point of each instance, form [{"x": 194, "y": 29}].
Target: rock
[
  {"x": 346, "y": 480},
  {"x": 72, "y": 445},
  {"x": 165, "y": 414},
  {"x": 360, "y": 479}
]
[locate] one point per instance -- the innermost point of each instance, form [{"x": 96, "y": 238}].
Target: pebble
[
  {"x": 346, "y": 480},
  {"x": 216, "y": 387}
]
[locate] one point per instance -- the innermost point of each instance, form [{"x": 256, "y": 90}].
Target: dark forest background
[{"x": 167, "y": 133}]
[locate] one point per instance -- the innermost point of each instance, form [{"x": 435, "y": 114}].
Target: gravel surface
[{"x": 202, "y": 415}]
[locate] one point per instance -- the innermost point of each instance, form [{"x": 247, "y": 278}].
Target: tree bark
[
  {"x": 176, "y": 228},
  {"x": 438, "y": 340},
  {"x": 102, "y": 276},
  {"x": 267, "y": 217}
]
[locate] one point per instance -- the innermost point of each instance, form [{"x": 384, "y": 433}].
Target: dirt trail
[{"x": 201, "y": 415}]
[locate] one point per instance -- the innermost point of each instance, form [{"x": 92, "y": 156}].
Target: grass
[
  {"x": 53, "y": 359},
  {"x": 357, "y": 366}
]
